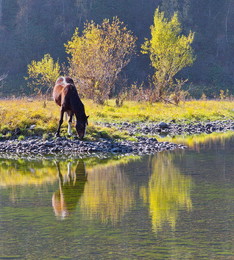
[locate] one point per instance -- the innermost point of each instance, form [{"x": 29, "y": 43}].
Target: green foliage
[
  {"x": 99, "y": 55},
  {"x": 21, "y": 137},
  {"x": 8, "y": 135},
  {"x": 29, "y": 29},
  {"x": 169, "y": 53},
  {"x": 43, "y": 74}
]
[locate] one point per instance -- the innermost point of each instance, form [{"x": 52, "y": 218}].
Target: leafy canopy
[
  {"x": 99, "y": 55},
  {"x": 169, "y": 51},
  {"x": 43, "y": 74}
]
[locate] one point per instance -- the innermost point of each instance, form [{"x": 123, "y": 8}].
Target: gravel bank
[
  {"x": 172, "y": 128},
  {"x": 57, "y": 147},
  {"x": 63, "y": 146}
]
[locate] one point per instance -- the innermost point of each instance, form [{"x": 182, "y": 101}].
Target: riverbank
[
  {"x": 172, "y": 128},
  {"x": 57, "y": 147},
  {"x": 28, "y": 128},
  {"x": 28, "y": 117},
  {"x": 144, "y": 134}
]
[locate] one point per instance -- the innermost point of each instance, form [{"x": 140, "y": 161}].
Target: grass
[
  {"x": 135, "y": 111},
  {"x": 32, "y": 118}
]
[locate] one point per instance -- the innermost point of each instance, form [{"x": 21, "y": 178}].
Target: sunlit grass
[
  {"x": 136, "y": 111},
  {"x": 24, "y": 113}
]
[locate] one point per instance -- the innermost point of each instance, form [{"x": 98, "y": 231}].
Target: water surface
[{"x": 173, "y": 205}]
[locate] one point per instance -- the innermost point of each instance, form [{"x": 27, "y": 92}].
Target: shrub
[
  {"x": 98, "y": 56},
  {"x": 169, "y": 53}
]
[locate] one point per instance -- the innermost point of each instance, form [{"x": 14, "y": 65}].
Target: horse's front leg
[
  {"x": 69, "y": 131},
  {"x": 60, "y": 122}
]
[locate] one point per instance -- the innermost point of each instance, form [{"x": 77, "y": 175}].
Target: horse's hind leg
[
  {"x": 60, "y": 122},
  {"x": 69, "y": 131}
]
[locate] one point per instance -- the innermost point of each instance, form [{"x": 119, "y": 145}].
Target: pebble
[
  {"x": 67, "y": 146},
  {"x": 173, "y": 128},
  {"x": 144, "y": 144}
]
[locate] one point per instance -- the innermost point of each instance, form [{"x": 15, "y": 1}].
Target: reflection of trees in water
[
  {"x": 167, "y": 192},
  {"x": 106, "y": 192},
  {"x": 107, "y": 195},
  {"x": 15, "y": 172},
  {"x": 71, "y": 188},
  {"x": 208, "y": 141},
  {"x": 23, "y": 172},
  {"x": 20, "y": 175},
  {"x": 211, "y": 141}
]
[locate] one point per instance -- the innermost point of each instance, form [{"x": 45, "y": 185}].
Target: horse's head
[{"x": 81, "y": 126}]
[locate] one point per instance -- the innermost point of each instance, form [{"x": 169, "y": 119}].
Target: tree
[
  {"x": 169, "y": 53},
  {"x": 99, "y": 55},
  {"x": 43, "y": 74}
]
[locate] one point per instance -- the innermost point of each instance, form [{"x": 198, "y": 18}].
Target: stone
[{"x": 163, "y": 125}]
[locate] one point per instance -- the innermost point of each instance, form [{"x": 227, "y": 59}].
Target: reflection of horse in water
[{"x": 71, "y": 188}]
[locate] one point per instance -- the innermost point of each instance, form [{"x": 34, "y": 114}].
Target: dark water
[{"x": 174, "y": 205}]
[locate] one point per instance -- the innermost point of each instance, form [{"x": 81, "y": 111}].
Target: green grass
[
  {"x": 24, "y": 113},
  {"x": 141, "y": 112}
]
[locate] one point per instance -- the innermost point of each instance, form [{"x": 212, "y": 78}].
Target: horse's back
[
  {"x": 60, "y": 89},
  {"x": 65, "y": 94}
]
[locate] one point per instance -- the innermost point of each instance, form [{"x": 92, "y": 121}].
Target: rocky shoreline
[
  {"x": 145, "y": 144},
  {"x": 63, "y": 146},
  {"x": 173, "y": 128}
]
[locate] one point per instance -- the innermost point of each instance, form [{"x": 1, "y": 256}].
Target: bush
[
  {"x": 98, "y": 56},
  {"x": 169, "y": 53}
]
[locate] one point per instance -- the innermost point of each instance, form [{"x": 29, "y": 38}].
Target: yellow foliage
[
  {"x": 43, "y": 73},
  {"x": 168, "y": 50},
  {"x": 98, "y": 56}
]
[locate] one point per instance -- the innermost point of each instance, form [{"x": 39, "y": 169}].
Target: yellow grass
[
  {"x": 24, "y": 113},
  {"x": 191, "y": 111}
]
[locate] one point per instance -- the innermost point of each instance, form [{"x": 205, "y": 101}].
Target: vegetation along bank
[{"x": 27, "y": 127}]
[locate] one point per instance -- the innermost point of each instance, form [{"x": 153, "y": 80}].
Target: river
[{"x": 172, "y": 205}]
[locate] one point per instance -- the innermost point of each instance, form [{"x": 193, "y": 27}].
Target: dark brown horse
[{"x": 66, "y": 96}]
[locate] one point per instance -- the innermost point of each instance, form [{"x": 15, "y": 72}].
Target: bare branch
[{"x": 3, "y": 76}]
